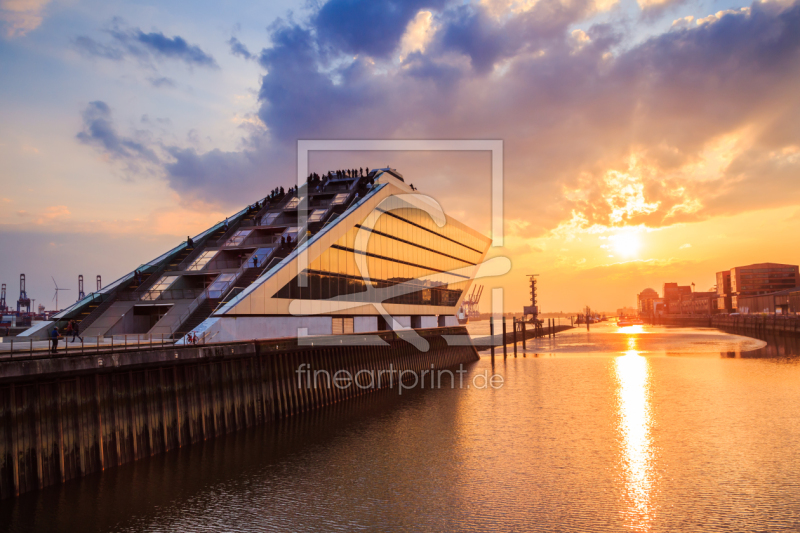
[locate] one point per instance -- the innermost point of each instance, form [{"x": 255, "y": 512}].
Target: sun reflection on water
[{"x": 633, "y": 380}]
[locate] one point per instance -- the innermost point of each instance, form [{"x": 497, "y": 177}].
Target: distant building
[
  {"x": 644, "y": 301},
  {"x": 724, "y": 291},
  {"x": 698, "y": 303},
  {"x": 627, "y": 311},
  {"x": 781, "y": 302},
  {"x": 672, "y": 297},
  {"x": 761, "y": 278}
]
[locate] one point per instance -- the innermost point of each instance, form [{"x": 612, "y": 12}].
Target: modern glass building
[{"x": 344, "y": 253}]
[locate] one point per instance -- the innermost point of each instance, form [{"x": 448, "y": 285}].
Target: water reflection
[{"x": 634, "y": 419}]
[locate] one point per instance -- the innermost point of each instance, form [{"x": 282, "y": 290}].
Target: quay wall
[
  {"x": 63, "y": 418},
  {"x": 744, "y": 324}
]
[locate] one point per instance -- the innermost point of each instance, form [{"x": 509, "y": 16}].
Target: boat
[{"x": 625, "y": 322}]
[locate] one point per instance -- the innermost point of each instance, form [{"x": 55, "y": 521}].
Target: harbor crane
[
  {"x": 81, "y": 294},
  {"x": 23, "y": 301}
]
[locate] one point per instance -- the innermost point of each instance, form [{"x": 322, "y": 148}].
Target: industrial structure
[
  {"x": 23, "y": 300},
  {"x": 532, "y": 310},
  {"x": 469, "y": 307},
  {"x": 368, "y": 253}
]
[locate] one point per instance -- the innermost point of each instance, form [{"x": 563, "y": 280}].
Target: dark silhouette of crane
[
  {"x": 23, "y": 301},
  {"x": 3, "y": 307},
  {"x": 81, "y": 294}
]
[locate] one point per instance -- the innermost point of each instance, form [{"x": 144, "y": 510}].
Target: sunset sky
[{"x": 644, "y": 142}]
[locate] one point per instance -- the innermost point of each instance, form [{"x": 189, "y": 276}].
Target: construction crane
[
  {"x": 81, "y": 294},
  {"x": 23, "y": 301}
]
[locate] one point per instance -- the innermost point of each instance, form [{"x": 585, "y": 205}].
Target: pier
[{"x": 67, "y": 416}]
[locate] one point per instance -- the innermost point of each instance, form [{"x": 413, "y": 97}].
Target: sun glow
[{"x": 626, "y": 244}]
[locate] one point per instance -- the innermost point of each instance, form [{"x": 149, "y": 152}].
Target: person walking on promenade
[
  {"x": 75, "y": 332},
  {"x": 54, "y": 336},
  {"x": 255, "y": 261}
]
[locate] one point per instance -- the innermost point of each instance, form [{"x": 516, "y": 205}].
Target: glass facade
[
  {"x": 160, "y": 286},
  {"x": 220, "y": 285},
  {"x": 407, "y": 259},
  {"x": 202, "y": 260},
  {"x": 238, "y": 238},
  {"x": 269, "y": 218},
  {"x": 293, "y": 203},
  {"x": 316, "y": 215},
  {"x": 339, "y": 199}
]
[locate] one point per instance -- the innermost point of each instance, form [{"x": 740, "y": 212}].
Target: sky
[{"x": 645, "y": 141}]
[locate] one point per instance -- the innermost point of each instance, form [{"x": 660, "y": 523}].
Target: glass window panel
[
  {"x": 293, "y": 203},
  {"x": 238, "y": 237},
  {"x": 269, "y": 218},
  {"x": 202, "y": 260},
  {"x": 316, "y": 215}
]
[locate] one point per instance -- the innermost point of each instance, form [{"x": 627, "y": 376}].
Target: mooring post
[
  {"x": 491, "y": 335},
  {"x": 524, "y": 327},
  {"x": 514, "y": 325},
  {"x": 505, "y": 349}
]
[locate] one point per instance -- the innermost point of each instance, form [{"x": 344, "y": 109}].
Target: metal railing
[
  {"x": 87, "y": 345},
  {"x": 168, "y": 294},
  {"x": 191, "y": 309}
]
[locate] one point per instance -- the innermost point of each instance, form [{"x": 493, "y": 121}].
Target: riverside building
[{"x": 347, "y": 252}]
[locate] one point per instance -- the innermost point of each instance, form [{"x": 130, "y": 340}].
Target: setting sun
[{"x": 626, "y": 244}]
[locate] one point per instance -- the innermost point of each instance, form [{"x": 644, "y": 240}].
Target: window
[
  {"x": 317, "y": 215},
  {"x": 239, "y": 237},
  {"x": 220, "y": 285},
  {"x": 269, "y": 218},
  {"x": 160, "y": 286},
  {"x": 339, "y": 199},
  {"x": 293, "y": 203},
  {"x": 203, "y": 260}
]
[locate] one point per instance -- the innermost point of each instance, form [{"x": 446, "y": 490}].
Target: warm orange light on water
[{"x": 634, "y": 422}]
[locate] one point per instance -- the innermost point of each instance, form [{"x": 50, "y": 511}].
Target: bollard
[
  {"x": 524, "y": 326},
  {"x": 491, "y": 336},
  {"x": 505, "y": 349},
  {"x": 514, "y": 323}
]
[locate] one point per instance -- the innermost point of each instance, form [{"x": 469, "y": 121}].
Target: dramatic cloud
[
  {"x": 21, "y": 16},
  {"x": 365, "y": 26},
  {"x": 133, "y": 42},
  {"x": 99, "y": 131},
  {"x": 238, "y": 49},
  {"x": 599, "y": 132}
]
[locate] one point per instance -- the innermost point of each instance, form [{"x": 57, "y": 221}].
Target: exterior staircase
[{"x": 198, "y": 315}]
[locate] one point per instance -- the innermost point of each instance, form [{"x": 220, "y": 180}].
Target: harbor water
[{"x": 612, "y": 429}]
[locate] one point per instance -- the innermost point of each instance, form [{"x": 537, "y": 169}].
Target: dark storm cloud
[{"x": 133, "y": 42}]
